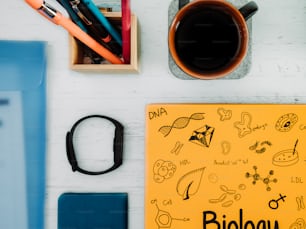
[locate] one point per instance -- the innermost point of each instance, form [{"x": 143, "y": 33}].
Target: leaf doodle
[
  {"x": 180, "y": 123},
  {"x": 189, "y": 183}
]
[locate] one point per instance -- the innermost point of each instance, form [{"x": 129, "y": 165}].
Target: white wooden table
[{"x": 278, "y": 75}]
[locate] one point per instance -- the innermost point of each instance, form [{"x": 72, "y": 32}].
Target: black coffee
[{"x": 207, "y": 39}]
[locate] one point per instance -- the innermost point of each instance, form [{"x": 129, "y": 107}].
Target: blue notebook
[
  {"x": 93, "y": 210},
  {"x": 22, "y": 134}
]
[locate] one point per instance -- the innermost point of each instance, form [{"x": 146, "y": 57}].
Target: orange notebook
[{"x": 225, "y": 166}]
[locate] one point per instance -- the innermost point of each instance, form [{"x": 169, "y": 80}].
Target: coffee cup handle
[
  {"x": 248, "y": 10},
  {"x": 182, "y": 3}
]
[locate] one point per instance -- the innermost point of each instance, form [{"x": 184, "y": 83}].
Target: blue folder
[
  {"x": 22, "y": 134},
  {"x": 93, "y": 210}
]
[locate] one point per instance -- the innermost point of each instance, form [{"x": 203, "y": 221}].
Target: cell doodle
[
  {"x": 254, "y": 146},
  {"x": 298, "y": 224},
  {"x": 180, "y": 123},
  {"x": 266, "y": 180},
  {"x": 244, "y": 125},
  {"x": 226, "y": 147},
  {"x": 224, "y": 114},
  {"x": 286, "y": 122},
  {"x": 213, "y": 178},
  {"x": 163, "y": 170},
  {"x": 222, "y": 199},
  {"x": 286, "y": 157},
  {"x": 300, "y": 202},
  {"x": 177, "y": 148},
  {"x": 262, "y": 146},
  {"x": 163, "y": 218}
]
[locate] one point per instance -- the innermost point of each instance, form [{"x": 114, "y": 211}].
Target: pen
[
  {"x": 294, "y": 149},
  {"x": 94, "y": 27},
  {"x": 72, "y": 14},
  {"x": 57, "y": 18},
  {"x": 103, "y": 20},
  {"x": 93, "y": 56}
]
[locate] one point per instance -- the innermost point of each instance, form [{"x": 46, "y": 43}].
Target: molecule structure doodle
[
  {"x": 180, "y": 123},
  {"x": 163, "y": 218},
  {"x": 266, "y": 180}
]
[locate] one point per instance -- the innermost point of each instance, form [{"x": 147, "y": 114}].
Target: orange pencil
[{"x": 57, "y": 18}]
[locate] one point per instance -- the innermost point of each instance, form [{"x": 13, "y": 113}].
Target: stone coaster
[{"x": 240, "y": 72}]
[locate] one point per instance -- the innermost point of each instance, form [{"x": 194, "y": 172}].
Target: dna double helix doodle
[{"x": 180, "y": 123}]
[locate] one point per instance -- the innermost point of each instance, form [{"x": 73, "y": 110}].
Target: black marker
[{"x": 94, "y": 27}]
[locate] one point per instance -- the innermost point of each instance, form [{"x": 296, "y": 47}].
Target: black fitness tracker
[{"x": 117, "y": 146}]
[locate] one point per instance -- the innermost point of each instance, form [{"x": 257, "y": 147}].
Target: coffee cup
[{"x": 208, "y": 39}]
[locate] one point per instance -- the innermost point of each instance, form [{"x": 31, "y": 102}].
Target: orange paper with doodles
[{"x": 225, "y": 166}]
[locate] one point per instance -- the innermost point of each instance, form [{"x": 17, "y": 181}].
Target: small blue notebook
[
  {"x": 93, "y": 210},
  {"x": 22, "y": 134}
]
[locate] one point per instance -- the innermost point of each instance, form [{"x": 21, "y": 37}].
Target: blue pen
[
  {"x": 72, "y": 14},
  {"x": 95, "y": 10}
]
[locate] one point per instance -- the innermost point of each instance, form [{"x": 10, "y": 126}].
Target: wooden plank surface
[{"x": 278, "y": 75}]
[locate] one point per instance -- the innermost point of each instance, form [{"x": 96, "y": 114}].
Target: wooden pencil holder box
[{"x": 77, "y": 52}]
